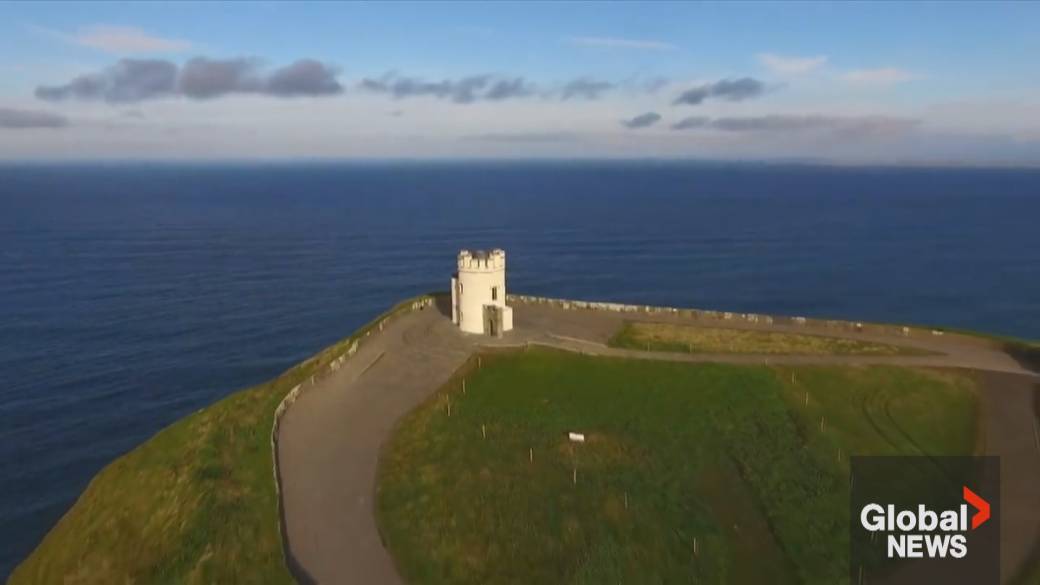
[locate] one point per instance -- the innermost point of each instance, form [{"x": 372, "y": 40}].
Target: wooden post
[
  {"x": 483, "y": 431},
  {"x": 626, "y": 500},
  {"x": 530, "y": 454},
  {"x": 463, "y": 385},
  {"x": 695, "y": 551},
  {"x": 478, "y": 362},
  {"x": 575, "y": 476},
  {"x": 821, "y": 424}
]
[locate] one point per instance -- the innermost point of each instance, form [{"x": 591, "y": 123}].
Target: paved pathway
[{"x": 329, "y": 440}]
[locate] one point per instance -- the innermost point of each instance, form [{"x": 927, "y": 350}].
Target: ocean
[{"x": 133, "y": 294}]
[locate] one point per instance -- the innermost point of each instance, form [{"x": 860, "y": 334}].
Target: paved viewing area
[{"x": 329, "y": 440}]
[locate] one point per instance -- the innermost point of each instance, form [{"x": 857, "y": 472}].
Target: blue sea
[{"x": 131, "y": 295}]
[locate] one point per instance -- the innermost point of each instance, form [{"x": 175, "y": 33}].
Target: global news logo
[
  {"x": 925, "y": 533},
  {"x": 924, "y": 519}
]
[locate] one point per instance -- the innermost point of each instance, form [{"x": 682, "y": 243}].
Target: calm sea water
[{"x": 133, "y": 295}]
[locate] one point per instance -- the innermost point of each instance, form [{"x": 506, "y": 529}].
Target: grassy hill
[
  {"x": 196, "y": 503},
  {"x": 705, "y": 472}
]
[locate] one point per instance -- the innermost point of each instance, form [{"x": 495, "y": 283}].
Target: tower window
[{"x": 494, "y": 293}]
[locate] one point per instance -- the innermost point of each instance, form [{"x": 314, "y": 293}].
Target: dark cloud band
[
  {"x": 134, "y": 80},
  {"x": 733, "y": 90},
  {"x": 464, "y": 90},
  {"x": 642, "y": 121}
]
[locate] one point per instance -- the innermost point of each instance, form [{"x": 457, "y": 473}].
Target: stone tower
[{"x": 478, "y": 293}]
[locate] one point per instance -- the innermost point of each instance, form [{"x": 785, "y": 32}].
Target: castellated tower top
[{"x": 481, "y": 261}]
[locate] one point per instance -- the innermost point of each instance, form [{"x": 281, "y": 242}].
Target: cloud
[
  {"x": 691, "y": 122},
  {"x": 585, "y": 88},
  {"x": 788, "y": 65},
  {"x": 22, "y": 119},
  {"x": 845, "y": 125},
  {"x": 129, "y": 80},
  {"x": 733, "y": 90},
  {"x": 134, "y": 80},
  {"x": 881, "y": 76},
  {"x": 503, "y": 89},
  {"x": 464, "y": 90},
  {"x": 642, "y": 121},
  {"x": 306, "y": 77},
  {"x": 118, "y": 39},
  {"x": 620, "y": 43},
  {"x": 203, "y": 78}
]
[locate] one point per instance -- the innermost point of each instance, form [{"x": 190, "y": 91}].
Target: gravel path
[{"x": 329, "y": 440}]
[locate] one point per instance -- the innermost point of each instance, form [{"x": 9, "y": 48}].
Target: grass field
[
  {"x": 732, "y": 462},
  {"x": 697, "y": 339},
  {"x": 195, "y": 504}
]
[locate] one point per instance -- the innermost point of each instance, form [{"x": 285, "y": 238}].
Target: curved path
[{"x": 329, "y": 440}]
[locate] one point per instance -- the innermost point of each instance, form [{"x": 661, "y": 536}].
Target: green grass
[
  {"x": 675, "y": 337},
  {"x": 196, "y": 503},
  {"x": 728, "y": 455}
]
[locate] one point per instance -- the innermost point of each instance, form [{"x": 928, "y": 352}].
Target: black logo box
[{"x": 937, "y": 483}]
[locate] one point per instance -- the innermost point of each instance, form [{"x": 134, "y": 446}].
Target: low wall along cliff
[{"x": 723, "y": 317}]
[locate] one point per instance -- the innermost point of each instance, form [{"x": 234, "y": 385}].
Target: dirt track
[{"x": 329, "y": 440}]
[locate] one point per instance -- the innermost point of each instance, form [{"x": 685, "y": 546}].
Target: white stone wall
[{"x": 478, "y": 276}]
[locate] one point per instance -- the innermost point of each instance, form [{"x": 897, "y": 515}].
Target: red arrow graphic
[{"x": 981, "y": 505}]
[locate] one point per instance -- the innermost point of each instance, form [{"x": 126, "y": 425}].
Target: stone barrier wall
[{"x": 724, "y": 317}]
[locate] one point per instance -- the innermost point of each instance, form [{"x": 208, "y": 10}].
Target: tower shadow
[{"x": 442, "y": 301}]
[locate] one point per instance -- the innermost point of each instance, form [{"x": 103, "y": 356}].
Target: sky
[{"x": 844, "y": 82}]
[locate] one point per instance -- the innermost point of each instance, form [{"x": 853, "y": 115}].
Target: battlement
[{"x": 482, "y": 261}]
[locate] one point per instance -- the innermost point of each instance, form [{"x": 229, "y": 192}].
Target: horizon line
[{"x": 280, "y": 160}]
